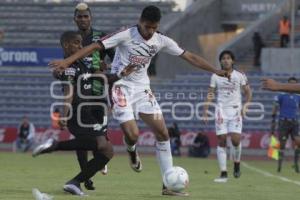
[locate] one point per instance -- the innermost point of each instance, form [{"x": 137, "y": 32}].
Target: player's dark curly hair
[
  {"x": 151, "y": 13},
  {"x": 68, "y": 36},
  {"x": 228, "y": 52}
]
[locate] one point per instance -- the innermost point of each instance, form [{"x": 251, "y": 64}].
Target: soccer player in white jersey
[
  {"x": 228, "y": 111},
  {"x": 132, "y": 95}
]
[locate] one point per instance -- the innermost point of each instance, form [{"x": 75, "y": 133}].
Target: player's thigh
[
  {"x": 283, "y": 129},
  {"x": 157, "y": 124},
  {"x": 295, "y": 133},
  {"x": 104, "y": 146}
]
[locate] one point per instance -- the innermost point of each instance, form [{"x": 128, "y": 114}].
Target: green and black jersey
[{"x": 93, "y": 61}]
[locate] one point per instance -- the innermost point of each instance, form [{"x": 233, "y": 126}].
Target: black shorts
[
  {"x": 286, "y": 128},
  {"x": 89, "y": 121}
]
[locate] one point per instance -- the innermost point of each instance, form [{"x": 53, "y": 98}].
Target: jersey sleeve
[
  {"x": 171, "y": 47},
  {"x": 244, "y": 79},
  {"x": 69, "y": 75},
  {"x": 114, "y": 39},
  {"x": 213, "y": 81}
]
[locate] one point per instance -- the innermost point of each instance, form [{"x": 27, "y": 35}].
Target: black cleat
[
  {"x": 135, "y": 161},
  {"x": 89, "y": 185},
  {"x": 236, "y": 170},
  {"x": 223, "y": 178}
]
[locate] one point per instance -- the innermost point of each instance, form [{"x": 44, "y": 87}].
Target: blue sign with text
[{"x": 29, "y": 56}]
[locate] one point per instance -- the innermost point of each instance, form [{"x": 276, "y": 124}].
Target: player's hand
[
  {"x": 104, "y": 66},
  {"x": 244, "y": 110},
  {"x": 223, "y": 73},
  {"x": 58, "y": 65},
  {"x": 62, "y": 124},
  {"x": 128, "y": 70},
  {"x": 269, "y": 84}
]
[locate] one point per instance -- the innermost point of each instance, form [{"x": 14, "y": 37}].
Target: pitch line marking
[{"x": 268, "y": 174}]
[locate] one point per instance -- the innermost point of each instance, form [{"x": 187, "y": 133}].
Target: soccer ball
[{"x": 176, "y": 179}]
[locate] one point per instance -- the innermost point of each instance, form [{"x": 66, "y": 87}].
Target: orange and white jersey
[
  {"x": 132, "y": 48},
  {"x": 229, "y": 90}
]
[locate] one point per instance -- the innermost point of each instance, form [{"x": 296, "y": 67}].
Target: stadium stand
[
  {"x": 25, "y": 90},
  {"x": 29, "y": 24}
]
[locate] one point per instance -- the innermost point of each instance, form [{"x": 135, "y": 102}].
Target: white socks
[
  {"x": 222, "y": 158},
  {"x": 237, "y": 153},
  {"x": 164, "y": 156},
  {"x": 129, "y": 147}
]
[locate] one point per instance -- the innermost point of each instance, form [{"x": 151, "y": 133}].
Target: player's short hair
[
  {"x": 293, "y": 79},
  {"x": 228, "y": 52},
  {"x": 151, "y": 13},
  {"x": 67, "y": 37},
  {"x": 82, "y": 7}
]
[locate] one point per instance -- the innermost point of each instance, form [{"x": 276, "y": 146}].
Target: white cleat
[
  {"x": 73, "y": 189},
  {"x": 40, "y": 196},
  {"x": 135, "y": 161},
  {"x": 43, "y": 148},
  {"x": 220, "y": 180},
  {"x": 104, "y": 171}
]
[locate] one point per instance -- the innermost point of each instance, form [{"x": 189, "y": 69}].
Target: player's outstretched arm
[
  {"x": 60, "y": 65},
  {"x": 201, "y": 63},
  {"x": 270, "y": 84}
]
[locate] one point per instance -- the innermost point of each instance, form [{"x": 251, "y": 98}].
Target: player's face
[
  {"x": 226, "y": 62},
  {"x": 83, "y": 20},
  {"x": 147, "y": 28},
  {"x": 73, "y": 46}
]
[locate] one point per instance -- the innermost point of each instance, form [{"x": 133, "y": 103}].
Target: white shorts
[
  {"x": 228, "y": 120},
  {"x": 129, "y": 102}
]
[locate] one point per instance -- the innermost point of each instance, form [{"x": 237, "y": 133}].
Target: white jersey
[
  {"x": 132, "y": 48},
  {"x": 229, "y": 91}
]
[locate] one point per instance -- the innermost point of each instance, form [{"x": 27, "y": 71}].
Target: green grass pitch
[{"x": 20, "y": 173}]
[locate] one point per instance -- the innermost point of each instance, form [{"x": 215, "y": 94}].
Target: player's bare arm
[
  {"x": 209, "y": 98},
  {"x": 248, "y": 98},
  {"x": 60, "y": 65},
  {"x": 270, "y": 84},
  {"x": 201, "y": 63},
  {"x": 68, "y": 94}
]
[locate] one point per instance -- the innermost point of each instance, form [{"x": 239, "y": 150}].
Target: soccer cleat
[
  {"x": 223, "y": 178},
  {"x": 40, "y": 196},
  {"x": 73, "y": 188},
  {"x": 89, "y": 185},
  {"x": 46, "y": 147},
  {"x": 166, "y": 191},
  {"x": 236, "y": 170},
  {"x": 135, "y": 161},
  {"x": 104, "y": 171}
]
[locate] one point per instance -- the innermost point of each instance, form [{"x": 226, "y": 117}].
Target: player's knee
[
  {"x": 235, "y": 143},
  {"x": 222, "y": 143},
  {"x": 162, "y": 135}
]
